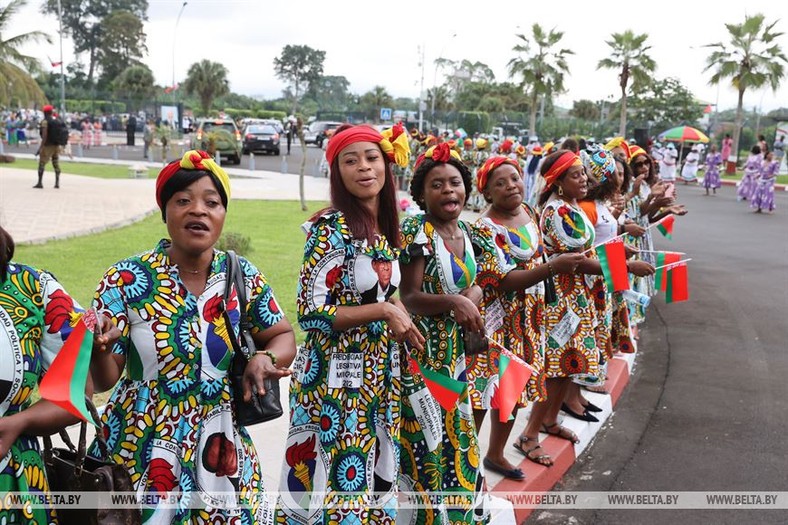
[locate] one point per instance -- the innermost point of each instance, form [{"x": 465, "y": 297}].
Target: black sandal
[
  {"x": 543, "y": 459},
  {"x": 562, "y": 432}
]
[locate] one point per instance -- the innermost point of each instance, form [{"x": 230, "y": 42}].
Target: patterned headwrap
[
  {"x": 619, "y": 142},
  {"x": 520, "y": 150},
  {"x": 601, "y": 163},
  {"x": 566, "y": 160},
  {"x": 192, "y": 160},
  {"x": 393, "y": 142},
  {"x": 440, "y": 153},
  {"x": 548, "y": 146},
  {"x": 467, "y": 143},
  {"x": 483, "y": 173},
  {"x": 636, "y": 150},
  {"x": 537, "y": 150},
  {"x": 481, "y": 144}
]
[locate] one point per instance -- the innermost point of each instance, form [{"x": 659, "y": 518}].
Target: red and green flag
[
  {"x": 664, "y": 260},
  {"x": 665, "y": 226},
  {"x": 64, "y": 382},
  {"x": 446, "y": 390},
  {"x": 678, "y": 284},
  {"x": 513, "y": 375},
  {"x": 613, "y": 259}
]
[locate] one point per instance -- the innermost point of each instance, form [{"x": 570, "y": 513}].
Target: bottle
[{"x": 636, "y": 297}]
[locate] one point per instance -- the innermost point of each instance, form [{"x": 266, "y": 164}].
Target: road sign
[{"x": 385, "y": 113}]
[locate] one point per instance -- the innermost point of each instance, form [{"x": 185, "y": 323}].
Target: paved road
[
  {"x": 705, "y": 408},
  {"x": 275, "y": 163}
]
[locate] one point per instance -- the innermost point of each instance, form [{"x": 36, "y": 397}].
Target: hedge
[{"x": 474, "y": 121}]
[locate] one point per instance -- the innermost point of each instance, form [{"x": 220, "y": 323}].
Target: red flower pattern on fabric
[{"x": 58, "y": 311}]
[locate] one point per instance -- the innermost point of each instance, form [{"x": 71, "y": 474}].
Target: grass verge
[{"x": 102, "y": 171}]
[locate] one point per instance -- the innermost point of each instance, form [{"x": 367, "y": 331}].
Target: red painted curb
[{"x": 541, "y": 479}]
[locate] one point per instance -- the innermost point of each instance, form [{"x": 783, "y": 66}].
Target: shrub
[{"x": 239, "y": 243}]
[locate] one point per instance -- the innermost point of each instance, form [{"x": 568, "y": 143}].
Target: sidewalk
[{"x": 87, "y": 204}]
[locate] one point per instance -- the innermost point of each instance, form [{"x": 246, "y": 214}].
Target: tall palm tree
[
  {"x": 16, "y": 82},
  {"x": 542, "y": 69},
  {"x": 209, "y": 81},
  {"x": 752, "y": 60},
  {"x": 629, "y": 56}
]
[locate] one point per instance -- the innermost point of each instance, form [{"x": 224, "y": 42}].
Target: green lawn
[
  {"x": 103, "y": 171},
  {"x": 273, "y": 227}
]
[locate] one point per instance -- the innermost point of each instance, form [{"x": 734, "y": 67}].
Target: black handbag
[
  {"x": 72, "y": 470},
  {"x": 260, "y": 408}
]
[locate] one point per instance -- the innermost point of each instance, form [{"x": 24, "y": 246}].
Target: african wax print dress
[
  {"x": 34, "y": 314},
  {"x": 440, "y": 448},
  {"x": 170, "y": 419},
  {"x": 342, "y": 454},
  {"x": 522, "y": 329},
  {"x": 763, "y": 196},
  {"x": 569, "y": 323},
  {"x": 749, "y": 181},
  {"x": 644, "y": 243}
]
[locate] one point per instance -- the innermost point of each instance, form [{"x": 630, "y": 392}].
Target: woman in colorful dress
[
  {"x": 35, "y": 314},
  {"x": 440, "y": 447},
  {"x": 752, "y": 170},
  {"x": 96, "y": 138},
  {"x": 170, "y": 421},
  {"x": 512, "y": 229},
  {"x": 711, "y": 179},
  {"x": 569, "y": 323},
  {"x": 763, "y": 196},
  {"x": 342, "y": 454}
]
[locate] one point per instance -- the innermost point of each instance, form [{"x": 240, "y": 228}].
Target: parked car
[
  {"x": 261, "y": 137},
  {"x": 225, "y": 135},
  {"x": 318, "y": 131}
]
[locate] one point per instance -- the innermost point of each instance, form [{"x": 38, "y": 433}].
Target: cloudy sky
[{"x": 378, "y": 43}]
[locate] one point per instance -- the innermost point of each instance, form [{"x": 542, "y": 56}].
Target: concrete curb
[{"x": 540, "y": 479}]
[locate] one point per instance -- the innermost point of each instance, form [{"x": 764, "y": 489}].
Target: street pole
[
  {"x": 62, "y": 74},
  {"x": 179, "y": 120},
  {"x": 174, "y": 41}
]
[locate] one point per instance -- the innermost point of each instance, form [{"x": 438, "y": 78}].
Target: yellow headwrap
[{"x": 192, "y": 160}]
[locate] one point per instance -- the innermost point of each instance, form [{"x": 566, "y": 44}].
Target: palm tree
[
  {"x": 16, "y": 69},
  {"x": 629, "y": 56},
  {"x": 209, "y": 81},
  {"x": 375, "y": 99},
  {"x": 543, "y": 69},
  {"x": 752, "y": 60}
]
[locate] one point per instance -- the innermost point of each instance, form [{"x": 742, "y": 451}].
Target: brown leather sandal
[
  {"x": 562, "y": 432},
  {"x": 543, "y": 459}
]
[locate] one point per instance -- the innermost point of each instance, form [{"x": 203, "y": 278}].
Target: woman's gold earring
[{"x": 560, "y": 191}]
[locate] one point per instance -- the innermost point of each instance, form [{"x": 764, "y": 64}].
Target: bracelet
[
  {"x": 270, "y": 354},
  {"x": 550, "y": 268}
]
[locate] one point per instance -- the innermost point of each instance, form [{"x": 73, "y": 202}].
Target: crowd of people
[{"x": 391, "y": 308}]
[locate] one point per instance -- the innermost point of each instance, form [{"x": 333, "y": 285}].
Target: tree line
[{"x": 109, "y": 35}]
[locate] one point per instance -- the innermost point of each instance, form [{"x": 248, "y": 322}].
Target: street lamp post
[
  {"x": 174, "y": 41},
  {"x": 62, "y": 75},
  {"x": 179, "y": 122}
]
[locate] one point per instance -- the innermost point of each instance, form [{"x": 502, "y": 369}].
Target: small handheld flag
[
  {"x": 64, "y": 383},
  {"x": 613, "y": 259},
  {"x": 513, "y": 376},
  {"x": 665, "y": 226},
  {"x": 446, "y": 390}
]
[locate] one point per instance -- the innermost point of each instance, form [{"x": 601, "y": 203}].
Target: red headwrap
[
  {"x": 393, "y": 142},
  {"x": 506, "y": 146},
  {"x": 483, "y": 173},
  {"x": 566, "y": 160},
  {"x": 47, "y": 109},
  {"x": 192, "y": 160}
]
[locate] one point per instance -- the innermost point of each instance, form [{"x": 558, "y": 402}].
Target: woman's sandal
[
  {"x": 562, "y": 432},
  {"x": 543, "y": 459}
]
